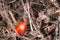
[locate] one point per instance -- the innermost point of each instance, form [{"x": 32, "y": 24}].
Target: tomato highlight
[{"x": 21, "y": 27}]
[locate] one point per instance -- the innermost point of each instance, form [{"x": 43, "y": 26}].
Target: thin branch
[
  {"x": 12, "y": 16},
  {"x": 28, "y": 13}
]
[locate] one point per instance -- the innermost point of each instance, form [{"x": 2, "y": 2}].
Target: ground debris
[{"x": 41, "y": 17}]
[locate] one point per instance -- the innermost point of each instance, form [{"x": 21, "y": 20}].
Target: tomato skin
[{"x": 21, "y": 27}]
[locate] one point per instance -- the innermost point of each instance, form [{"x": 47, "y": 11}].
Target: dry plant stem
[
  {"x": 35, "y": 28},
  {"x": 57, "y": 11},
  {"x": 14, "y": 20},
  {"x": 12, "y": 16},
  {"x": 12, "y": 1},
  {"x": 28, "y": 15},
  {"x": 56, "y": 4},
  {"x": 26, "y": 38}
]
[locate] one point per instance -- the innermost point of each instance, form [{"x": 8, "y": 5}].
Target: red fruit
[{"x": 21, "y": 27}]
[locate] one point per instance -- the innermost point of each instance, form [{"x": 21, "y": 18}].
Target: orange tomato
[{"x": 21, "y": 27}]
